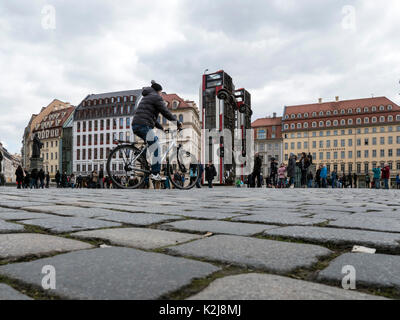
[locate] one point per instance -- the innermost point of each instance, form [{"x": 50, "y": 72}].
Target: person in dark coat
[
  {"x": 304, "y": 163},
  {"x": 291, "y": 169},
  {"x": 101, "y": 178},
  {"x": 34, "y": 178},
  {"x": 41, "y": 178},
  {"x": 145, "y": 119},
  {"x": 211, "y": 173},
  {"x": 257, "y": 170},
  {"x": 350, "y": 180},
  {"x": 27, "y": 180},
  {"x": 58, "y": 178},
  {"x": 201, "y": 171},
  {"x": 274, "y": 171},
  {"x": 47, "y": 180},
  {"x": 318, "y": 177},
  {"x": 355, "y": 178},
  {"x": 64, "y": 180},
  {"x": 19, "y": 174}
]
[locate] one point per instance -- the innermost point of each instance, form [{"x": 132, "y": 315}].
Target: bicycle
[{"x": 128, "y": 168}]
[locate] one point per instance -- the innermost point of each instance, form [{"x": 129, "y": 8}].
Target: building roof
[
  {"x": 340, "y": 105},
  {"x": 67, "y": 112},
  {"x": 265, "y": 122},
  {"x": 170, "y": 98},
  {"x": 125, "y": 93}
]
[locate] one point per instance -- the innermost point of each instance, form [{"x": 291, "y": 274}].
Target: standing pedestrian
[
  {"x": 19, "y": 173},
  {"x": 41, "y": 178},
  {"x": 291, "y": 170},
  {"x": 47, "y": 180},
  {"x": 398, "y": 181},
  {"x": 318, "y": 177},
  {"x": 281, "y": 176},
  {"x": 367, "y": 181},
  {"x": 304, "y": 163},
  {"x": 257, "y": 170},
  {"x": 58, "y": 178},
  {"x": 386, "y": 175},
  {"x": 377, "y": 177},
  {"x": 310, "y": 178},
  {"x": 211, "y": 173},
  {"x": 274, "y": 171},
  {"x": 324, "y": 175},
  {"x": 199, "y": 181},
  {"x": 355, "y": 180}
]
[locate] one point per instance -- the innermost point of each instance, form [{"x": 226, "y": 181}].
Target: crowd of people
[{"x": 283, "y": 176}]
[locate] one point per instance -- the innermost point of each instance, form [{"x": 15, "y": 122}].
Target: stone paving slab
[
  {"x": 68, "y": 224},
  {"x": 377, "y": 270},
  {"x": 255, "y": 286},
  {"x": 22, "y": 215},
  {"x": 25, "y": 244},
  {"x": 280, "y": 219},
  {"x": 253, "y": 253},
  {"x": 8, "y": 293},
  {"x": 7, "y": 227},
  {"x": 214, "y": 226},
  {"x": 208, "y": 215},
  {"x": 72, "y": 211},
  {"x": 339, "y": 236},
  {"x": 368, "y": 223},
  {"x": 139, "y": 219},
  {"x": 112, "y": 273},
  {"x": 138, "y": 237}
]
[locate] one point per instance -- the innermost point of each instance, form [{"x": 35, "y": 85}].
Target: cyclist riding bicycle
[{"x": 145, "y": 119}]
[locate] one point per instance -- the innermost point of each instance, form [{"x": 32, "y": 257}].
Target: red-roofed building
[
  {"x": 351, "y": 136},
  {"x": 268, "y": 140}
]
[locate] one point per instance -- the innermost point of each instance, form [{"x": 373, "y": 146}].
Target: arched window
[
  {"x": 299, "y": 116},
  {"x": 335, "y": 123},
  {"x": 382, "y": 119},
  {"x": 328, "y": 113},
  {"x": 287, "y": 116},
  {"x": 358, "y": 120},
  {"x": 293, "y": 126},
  {"x": 374, "y": 119},
  {"x": 286, "y": 126},
  {"x": 398, "y": 117},
  {"x": 314, "y": 124},
  {"x": 366, "y": 109},
  {"x": 373, "y": 109},
  {"x": 305, "y": 125},
  {"x": 343, "y": 122},
  {"x": 328, "y": 123},
  {"x": 390, "y": 118},
  {"x": 299, "y": 126},
  {"x": 321, "y": 123},
  {"x": 366, "y": 120},
  {"x": 382, "y": 108},
  {"x": 350, "y": 111},
  {"x": 342, "y": 111},
  {"x": 293, "y": 116},
  {"x": 321, "y": 113},
  {"x": 306, "y": 115},
  {"x": 335, "y": 112},
  {"x": 358, "y": 110},
  {"x": 314, "y": 114},
  {"x": 350, "y": 121},
  {"x": 389, "y": 107},
  {"x": 180, "y": 118}
]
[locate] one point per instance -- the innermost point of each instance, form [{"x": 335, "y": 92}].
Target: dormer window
[
  {"x": 314, "y": 114},
  {"x": 342, "y": 111},
  {"x": 306, "y": 115},
  {"x": 350, "y": 111},
  {"x": 293, "y": 116},
  {"x": 299, "y": 116},
  {"x": 366, "y": 109},
  {"x": 335, "y": 112},
  {"x": 373, "y": 109},
  {"x": 389, "y": 107},
  {"x": 382, "y": 108},
  {"x": 321, "y": 113},
  {"x": 175, "y": 104},
  {"x": 358, "y": 110},
  {"x": 328, "y": 113}
]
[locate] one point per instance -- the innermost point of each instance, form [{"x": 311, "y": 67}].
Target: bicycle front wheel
[
  {"x": 127, "y": 167},
  {"x": 184, "y": 170}
]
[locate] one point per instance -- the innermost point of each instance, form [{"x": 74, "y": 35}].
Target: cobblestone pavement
[{"x": 224, "y": 243}]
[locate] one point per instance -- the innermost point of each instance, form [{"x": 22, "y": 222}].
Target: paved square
[{"x": 162, "y": 240}]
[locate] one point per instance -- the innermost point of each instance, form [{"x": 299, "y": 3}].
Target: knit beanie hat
[{"x": 156, "y": 86}]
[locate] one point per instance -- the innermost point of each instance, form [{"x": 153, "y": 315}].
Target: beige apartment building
[
  {"x": 352, "y": 136},
  {"x": 48, "y": 125}
]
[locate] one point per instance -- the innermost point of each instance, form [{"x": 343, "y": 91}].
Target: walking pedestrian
[
  {"x": 257, "y": 170},
  {"x": 47, "y": 180},
  {"x": 398, "y": 181},
  {"x": 323, "y": 175},
  {"x": 274, "y": 171},
  {"x": 41, "y": 177},
  {"x": 304, "y": 163},
  {"x": 355, "y": 180},
  {"x": 58, "y": 178}
]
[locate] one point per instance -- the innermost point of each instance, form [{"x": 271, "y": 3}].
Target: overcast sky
[{"x": 283, "y": 51}]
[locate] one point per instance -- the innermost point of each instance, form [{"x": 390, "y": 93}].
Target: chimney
[
  {"x": 274, "y": 115},
  {"x": 337, "y": 98},
  {"x": 320, "y": 100}
]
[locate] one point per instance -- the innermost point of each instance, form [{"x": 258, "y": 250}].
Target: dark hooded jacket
[{"x": 151, "y": 105}]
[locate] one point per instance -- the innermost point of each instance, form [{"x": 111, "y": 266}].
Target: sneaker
[{"x": 156, "y": 177}]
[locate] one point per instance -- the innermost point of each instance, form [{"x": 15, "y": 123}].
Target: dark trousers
[
  {"x": 147, "y": 134},
  {"x": 210, "y": 185}
]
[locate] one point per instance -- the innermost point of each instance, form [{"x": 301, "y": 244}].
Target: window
[
  {"x": 390, "y": 151},
  {"x": 335, "y": 155},
  {"x": 90, "y": 125},
  {"x": 358, "y": 121},
  {"x": 328, "y": 156},
  {"x": 350, "y": 154},
  {"x": 321, "y": 144},
  {"x": 114, "y": 124},
  {"x": 350, "y": 142},
  {"x": 374, "y": 154},
  {"x": 306, "y": 115},
  {"x": 390, "y": 118},
  {"x": 321, "y": 156},
  {"x": 366, "y": 120},
  {"x": 299, "y": 116},
  {"x": 95, "y": 139},
  {"x": 121, "y": 123},
  {"x": 261, "y": 134},
  {"x": 390, "y": 140},
  {"x": 374, "y": 119},
  {"x": 382, "y": 119},
  {"x": 314, "y": 114},
  {"x": 328, "y": 113},
  {"x": 358, "y": 154},
  {"x": 298, "y": 145},
  {"x": 293, "y": 126},
  {"x": 366, "y": 109},
  {"x": 358, "y": 110},
  {"x": 78, "y": 126},
  {"x": 366, "y": 142},
  {"x": 314, "y": 144},
  {"x": 358, "y": 168},
  {"x": 321, "y": 123},
  {"x": 382, "y": 153},
  {"x": 128, "y": 122},
  {"x": 374, "y": 141},
  {"x": 299, "y": 126},
  {"x": 335, "y": 123},
  {"x": 180, "y": 118},
  {"x": 101, "y": 125},
  {"x": 350, "y": 121},
  {"x": 286, "y": 146},
  {"x": 78, "y": 154},
  {"x": 102, "y": 138},
  {"x": 96, "y": 125},
  {"x": 382, "y": 140},
  {"x": 335, "y": 143},
  {"x": 306, "y": 125},
  {"x": 366, "y": 167},
  {"x": 328, "y": 123},
  {"x": 78, "y": 141},
  {"x": 342, "y": 111},
  {"x": 358, "y": 142},
  {"x": 89, "y": 140},
  {"x": 343, "y": 143},
  {"x": 366, "y": 153},
  {"x": 350, "y": 111},
  {"x": 382, "y": 108},
  {"x": 373, "y": 109},
  {"x": 314, "y": 124}
]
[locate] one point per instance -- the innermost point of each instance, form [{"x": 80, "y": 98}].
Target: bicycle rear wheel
[
  {"x": 127, "y": 167},
  {"x": 184, "y": 170}
]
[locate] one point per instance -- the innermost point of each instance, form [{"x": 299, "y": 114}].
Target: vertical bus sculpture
[{"x": 220, "y": 112}]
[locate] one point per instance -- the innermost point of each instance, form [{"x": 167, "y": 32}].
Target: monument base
[{"x": 36, "y": 163}]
